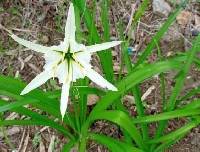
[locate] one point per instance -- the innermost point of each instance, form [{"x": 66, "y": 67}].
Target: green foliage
[{"x": 76, "y": 124}]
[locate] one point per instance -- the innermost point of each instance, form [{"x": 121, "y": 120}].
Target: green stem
[
  {"x": 162, "y": 77},
  {"x": 83, "y": 139}
]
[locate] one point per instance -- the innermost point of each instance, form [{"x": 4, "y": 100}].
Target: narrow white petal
[
  {"x": 78, "y": 72},
  {"x": 70, "y": 27},
  {"x": 62, "y": 72},
  {"x": 65, "y": 93},
  {"x": 83, "y": 56},
  {"x": 37, "y": 81},
  {"x": 93, "y": 75},
  {"x": 98, "y": 79},
  {"x": 51, "y": 56},
  {"x": 62, "y": 47},
  {"x": 51, "y": 59},
  {"x": 76, "y": 47},
  {"x": 59, "y": 48},
  {"x": 103, "y": 46},
  {"x": 31, "y": 45},
  {"x": 64, "y": 98}
]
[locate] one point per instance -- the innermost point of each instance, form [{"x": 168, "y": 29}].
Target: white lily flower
[{"x": 68, "y": 61}]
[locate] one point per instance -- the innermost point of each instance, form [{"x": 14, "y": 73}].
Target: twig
[
  {"x": 5, "y": 29},
  {"x": 131, "y": 18}
]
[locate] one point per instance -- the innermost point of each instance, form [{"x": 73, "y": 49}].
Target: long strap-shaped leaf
[
  {"x": 12, "y": 105},
  {"x": 33, "y": 123},
  {"x": 112, "y": 144},
  {"x": 12, "y": 88},
  {"x": 126, "y": 58},
  {"x": 122, "y": 120},
  {"x": 138, "y": 76},
  {"x": 106, "y": 63},
  {"x": 167, "y": 116},
  {"x": 181, "y": 131},
  {"x": 159, "y": 35},
  {"x": 35, "y": 116},
  {"x": 134, "y": 78},
  {"x": 179, "y": 83}
]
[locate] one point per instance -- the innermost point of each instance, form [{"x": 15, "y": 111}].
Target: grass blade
[
  {"x": 134, "y": 78},
  {"x": 158, "y": 35},
  {"x": 179, "y": 132},
  {"x": 179, "y": 84},
  {"x": 123, "y": 120},
  {"x": 112, "y": 144},
  {"x": 106, "y": 65},
  {"x": 36, "y": 116}
]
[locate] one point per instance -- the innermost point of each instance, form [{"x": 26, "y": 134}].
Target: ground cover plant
[{"x": 65, "y": 108}]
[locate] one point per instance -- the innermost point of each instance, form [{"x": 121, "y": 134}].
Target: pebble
[
  {"x": 92, "y": 99},
  {"x": 184, "y": 17},
  {"x": 45, "y": 39},
  {"x": 195, "y": 32},
  {"x": 162, "y": 8}
]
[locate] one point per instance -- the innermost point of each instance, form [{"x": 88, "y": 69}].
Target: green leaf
[
  {"x": 135, "y": 77},
  {"x": 90, "y": 24},
  {"x": 32, "y": 123},
  {"x": 106, "y": 36},
  {"x": 121, "y": 119},
  {"x": 158, "y": 36},
  {"x": 191, "y": 93},
  {"x": 179, "y": 132},
  {"x": 167, "y": 115},
  {"x": 171, "y": 104},
  {"x": 126, "y": 57},
  {"x": 167, "y": 144},
  {"x": 80, "y": 89},
  {"x": 112, "y": 144},
  {"x": 35, "y": 116},
  {"x": 68, "y": 146},
  {"x": 139, "y": 75},
  {"x": 44, "y": 103},
  {"x": 19, "y": 103}
]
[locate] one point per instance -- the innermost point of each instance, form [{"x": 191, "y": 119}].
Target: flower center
[{"x": 68, "y": 56}]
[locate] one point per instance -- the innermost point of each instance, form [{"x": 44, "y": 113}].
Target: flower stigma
[{"x": 68, "y": 55}]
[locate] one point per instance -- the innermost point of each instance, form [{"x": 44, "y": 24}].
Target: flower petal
[
  {"x": 83, "y": 56},
  {"x": 77, "y": 71},
  {"x": 37, "y": 81},
  {"x": 76, "y": 47},
  {"x": 103, "y": 46},
  {"x": 64, "y": 98},
  {"x": 62, "y": 72},
  {"x": 93, "y": 75},
  {"x": 59, "y": 48},
  {"x": 65, "y": 93},
  {"x": 31, "y": 45},
  {"x": 98, "y": 79},
  {"x": 70, "y": 27},
  {"x": 52, "y": 59}
]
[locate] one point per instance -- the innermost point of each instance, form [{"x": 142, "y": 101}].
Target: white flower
[{"x": 68, "y": 61}]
